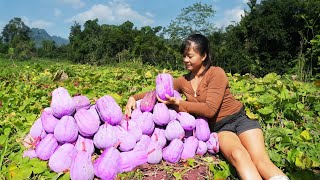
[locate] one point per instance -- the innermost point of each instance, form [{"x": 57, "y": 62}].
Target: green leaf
[
  {"x": 300, "y": 105},
  {"x": 266, "y": 110},
  {"x": 177, "y": 175},
  {"x": 7, "y": 131},
  {"x": 305, "y": 135},
  {"x": 191, "y": 162}
]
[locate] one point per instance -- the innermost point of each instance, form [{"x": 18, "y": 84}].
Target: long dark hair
[{"x": 201, "y": 47}]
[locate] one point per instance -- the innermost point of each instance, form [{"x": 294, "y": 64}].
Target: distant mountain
[{"x": 39, "y": 35}]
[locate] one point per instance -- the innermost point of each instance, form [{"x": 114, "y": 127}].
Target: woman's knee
[{"x": 239, "y": 155}]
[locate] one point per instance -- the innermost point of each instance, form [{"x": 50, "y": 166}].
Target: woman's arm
[{"x": 217, "y": 85}]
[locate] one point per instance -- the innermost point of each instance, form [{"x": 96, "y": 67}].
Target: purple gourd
[
  {"x": 202, "y": 131},
  {"x": 173, "y": 114},
  {"x": 132, "y": 127},
  {"x": 82, "y": 167},
  {"x": 159, "y": 137},
  {"x": 154, "y": 153},
  {"x": 62, "y": 158},
  {"x": 84, "y": 144},
  {"x": 174, "y": 130},
  {"x": 136, "y": 113},
  {"x": 164, "y": 85},
  {"x": 148, "y": 101},
  {"x": 107, "y": 164},
  {"x": 187, "y": 121},
  {"x": 127, "y": 141},
  {"x": 108, "y": 110},
  {"x": 31, "y": 153},
  {"x": 49, "y": 121},
  {"x": 62, "y": 103},
  {"x": 143, "y": 143},
  {"x": 202, "y": 148},
  {"x": 46, "y": 147},
  {"x": 88, "y": 122},
  {"x": 131, "y": 159},
  {"x": 161, "y": 115},
  {"x": 177, "y": 95},
  {"x": 213, "y": 143},
  {"x": 81, "y": 102},
  {"x": 66, "y": 130},
  {"x": 145, "y": 121},
  {"x": 190, "y": 147},
  {"x": 172, "y": 153},
  {"x": 105, "y": 137},
  {"x": 36, "y": 130}
]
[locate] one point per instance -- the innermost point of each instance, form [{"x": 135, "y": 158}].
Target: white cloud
[
  {"x": 114, "y": 12},
  {"x": 230, "y": 16},
  {"x": 39, "y": 23},
  {"x": 74, "y": 3},
  {"x": 56, "y": 12},
  {"x": 245, "y": 1}
]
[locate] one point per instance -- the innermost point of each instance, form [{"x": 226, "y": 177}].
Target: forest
[{"x": 272, "y": 36}]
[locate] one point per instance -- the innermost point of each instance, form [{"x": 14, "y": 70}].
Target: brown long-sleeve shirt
[{"x": 212, "y": 99}]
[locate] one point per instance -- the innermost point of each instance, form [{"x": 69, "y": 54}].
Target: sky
[{"x": 57, "y": 16}]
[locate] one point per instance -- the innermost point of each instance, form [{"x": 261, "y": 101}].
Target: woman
[{"x": 208, "y": 94}]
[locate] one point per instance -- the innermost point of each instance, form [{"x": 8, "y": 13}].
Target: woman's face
[{"x": 193, "y": 61}]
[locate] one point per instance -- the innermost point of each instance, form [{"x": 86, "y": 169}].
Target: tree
[
  {"x": 192, "y": 19},
  {"x": 15, "y": 28}
]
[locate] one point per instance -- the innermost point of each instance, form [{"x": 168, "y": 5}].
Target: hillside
[{"x": 39, "y": 35}]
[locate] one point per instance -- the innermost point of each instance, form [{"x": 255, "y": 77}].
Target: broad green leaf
[
  {"x": 300, "y": 105},
  {"x": 305, "y": 135},
  {"x": 266, "y": 110}
]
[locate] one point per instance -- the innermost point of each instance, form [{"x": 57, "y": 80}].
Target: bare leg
[
  {"x": 253, "y": 141},
  {"x": 237, "y": 155}
]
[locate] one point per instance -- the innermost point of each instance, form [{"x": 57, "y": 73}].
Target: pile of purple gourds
[{"x": 71, "y": 130}]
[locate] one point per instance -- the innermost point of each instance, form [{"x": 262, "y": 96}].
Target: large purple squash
[
  {"x": 62, "y": 103},
  {"x": 84, "y": 144},
  {"x": 82, "y": 167},
  {"x": 62, "y": 158},
  {"x": 190, "y": 147},
  {"x": 164, "y": 85},
  {"x": 66, "y": 130},
  {"x": 213, "y": 143},
  {"x": 161, "y": 115},
  {"x": 109, "y": 110},
  {"x": 46, "y": 147},
  {"x": 131, "y": 159},
  {"x": 172, "y": 153},
  {"x": 49, "y": 122},
  {"x": 187, "y": 121},
  {"x": 107, "y": 165},
  {"x": 145, "y": 121},
  {"x": 174, "y": 130},
  {"x": 88, "y": 122},
  {"x": 37, "y": 131},
  {"x": 82, "y": 102},
  {"x": 105, "y": 137},
  {"x": 132, "y": 127},
  {"x": 202, "y": 148},
  {"x": 148, "y": 101},
  {"x": 202, "y": 129}
]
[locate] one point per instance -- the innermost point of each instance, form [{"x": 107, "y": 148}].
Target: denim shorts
[{"x": 237, "y": 123}]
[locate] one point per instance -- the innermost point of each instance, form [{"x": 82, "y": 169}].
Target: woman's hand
[
  {"x": 170, "y": 100},
  {"x": 131, "y": 104}
]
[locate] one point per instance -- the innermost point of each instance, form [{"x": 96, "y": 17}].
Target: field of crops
[{"x": 288, "y": 110}]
